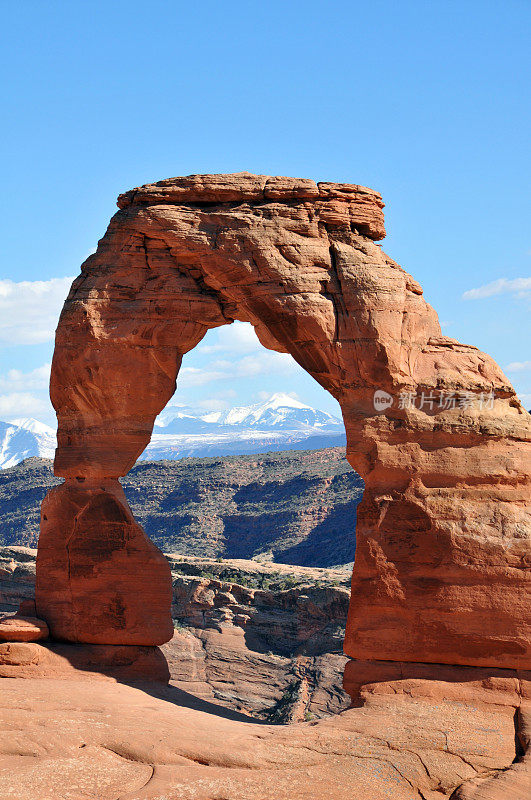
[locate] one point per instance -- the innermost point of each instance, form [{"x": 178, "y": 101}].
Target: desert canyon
[{"x": 438, "y": 633}]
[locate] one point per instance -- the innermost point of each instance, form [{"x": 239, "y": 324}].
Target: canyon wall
[
  {"x": 433, "y": 426},
  {"x": 264, "y": 639}
]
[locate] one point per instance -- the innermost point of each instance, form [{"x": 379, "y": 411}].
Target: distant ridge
[
  {"x": 289, "y": 507},
  {"x": 279, "y": 423}
]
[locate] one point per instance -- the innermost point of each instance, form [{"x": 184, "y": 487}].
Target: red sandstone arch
[{"x": 441, "y": 571}]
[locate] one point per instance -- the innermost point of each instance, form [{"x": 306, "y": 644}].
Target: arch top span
[
  {"x": 296, "y": 259},
  {"x": 345, "y": 202},
  {"x": 433, "y": 426}
]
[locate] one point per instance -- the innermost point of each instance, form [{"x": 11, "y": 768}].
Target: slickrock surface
[
  {"x": 442, "y": 557},
  {"x": 60, "y": 660},
  {"x": 410, "y": 740}
]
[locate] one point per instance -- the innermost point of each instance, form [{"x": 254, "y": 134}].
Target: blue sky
[{"x": 426, "y": 102}]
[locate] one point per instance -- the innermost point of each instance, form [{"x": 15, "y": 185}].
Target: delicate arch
[{"x": 439, "y": 564}]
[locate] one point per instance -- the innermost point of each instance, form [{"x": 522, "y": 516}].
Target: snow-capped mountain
[
  {"x": 279, "y": 423},
  {"x": 23, "y": 438},
  {"x": 279, "y": 412}
]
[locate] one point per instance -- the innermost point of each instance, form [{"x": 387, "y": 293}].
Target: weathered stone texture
[
  {"x": 99, "y": 578},
  {"x": 441, "y": 572},
  {"x": 20, "y": 628},
  {"x": 74, "y": 737},
  {"x": 275, "y": 652}
]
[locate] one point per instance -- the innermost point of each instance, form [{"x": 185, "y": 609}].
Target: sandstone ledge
[
  {"x": 26, "y": 660},
  {"x": 20, "y": 628},
  {"x": 364, "y": 205}
]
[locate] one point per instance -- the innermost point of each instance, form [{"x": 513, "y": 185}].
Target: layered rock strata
[
  {"x": 99, "y": 578},
  {"x": 20, "y": 628},
  {"x": 296, "y": 507},
  {"x": 17, "y": 578},
  {"x": 433, "y": 426},
  {"x": 263, "y": 639}
]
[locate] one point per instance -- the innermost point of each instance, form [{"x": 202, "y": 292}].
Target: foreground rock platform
[
  {"x": 63, "y": 660},
  {"x": 415, "y": 739}
]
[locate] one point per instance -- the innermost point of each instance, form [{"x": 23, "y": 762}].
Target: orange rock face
[
  {"x": 433, "y": 426},
  {"x": 71, "y": 736},
  {"x": 100, "y": 579}
]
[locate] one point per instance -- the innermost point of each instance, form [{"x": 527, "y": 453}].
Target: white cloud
[
  {"x": 194, "y": 376},
  {"x": 238, "y": 337},
  {"x": 29, "y": 310},
  {"x": 267, "y": 362},
  {"x": 213, "y": 403},
  {"x": 220, "y": 402},
  {"x": 264, "y": 362},
  {"x": 518, "y": 366},
  {"x": 15, "y": 380},
  {"x": 240, "y": 356},
  {"x": 21, "y": 404},
  {"x": 521, "y": 287}
]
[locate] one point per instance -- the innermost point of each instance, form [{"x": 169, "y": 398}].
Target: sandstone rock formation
[
  {"x": 100, "y": 579},
  {"x": 17, "y": 580},
  {"x": 264, "y": 639},
  {"x": 441, "y": 572},
  {"x": 273, "y": 653},
  {"x": 22, "y": 629}
]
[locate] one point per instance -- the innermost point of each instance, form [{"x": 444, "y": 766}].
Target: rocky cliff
[
  {"x": 17, "y": 577},
  {"x": 433, "y": 426},
  {"x": 262, "y": 639}
]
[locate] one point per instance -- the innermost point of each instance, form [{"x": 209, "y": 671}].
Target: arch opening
[{"x": 235, "y": 398}]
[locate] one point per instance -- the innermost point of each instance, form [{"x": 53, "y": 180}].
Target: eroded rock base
[
  {"x": 26, "y": 660},
  {"x": 100, "y": 579},
  {"x": 362, "y": 677}
]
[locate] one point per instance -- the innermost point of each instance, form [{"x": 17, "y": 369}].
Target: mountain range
[
  {"x": 278, "y": 423},
  {"x": 290, "y": 507}
]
